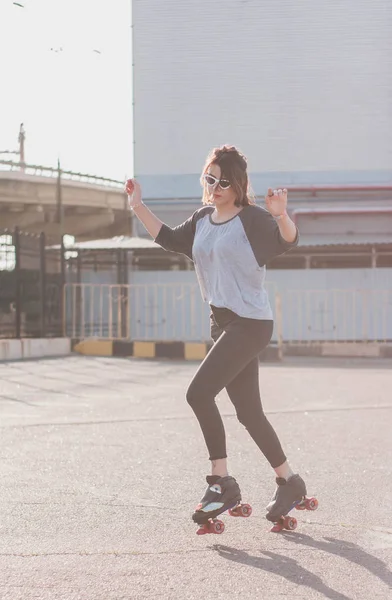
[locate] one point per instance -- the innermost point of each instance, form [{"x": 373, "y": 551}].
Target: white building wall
[{"x": 303, "y": 88}]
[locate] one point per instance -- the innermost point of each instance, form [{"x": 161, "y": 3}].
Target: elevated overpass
[{"x": 34, "y": 198}]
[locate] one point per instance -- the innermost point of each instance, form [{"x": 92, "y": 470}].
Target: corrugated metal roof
[
  {"x": 357, "y": 239},
  {"x": 119, "y": 242}
]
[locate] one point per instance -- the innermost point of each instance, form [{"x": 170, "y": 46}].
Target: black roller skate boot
[
  {"x": 288, "y": 495},
  {"x": 223, "y": 493}
]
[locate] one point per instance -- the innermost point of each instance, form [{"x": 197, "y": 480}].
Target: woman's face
[{"x": 220, "y": 197}]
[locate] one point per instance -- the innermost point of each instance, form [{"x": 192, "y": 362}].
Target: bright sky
[{"x": 76, "y": 103}]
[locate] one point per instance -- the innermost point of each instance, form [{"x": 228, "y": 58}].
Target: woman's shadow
[{"x": 292, "y": 571}]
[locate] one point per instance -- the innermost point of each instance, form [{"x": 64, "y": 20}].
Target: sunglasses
[{"x": 210, "y": 180}]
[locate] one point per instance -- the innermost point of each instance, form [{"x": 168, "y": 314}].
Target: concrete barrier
[
  {"x": 10, "y": 349},
  {"x": 34, "y": 348},
  {"x": 170, "y": 350},
  {"x": 340, "y": 349}
]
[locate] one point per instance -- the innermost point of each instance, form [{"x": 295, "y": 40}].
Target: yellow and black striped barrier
[{"x": 143, "y": 349}]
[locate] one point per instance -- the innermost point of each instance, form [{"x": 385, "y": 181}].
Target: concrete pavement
[{"x": 102, "y": 463}]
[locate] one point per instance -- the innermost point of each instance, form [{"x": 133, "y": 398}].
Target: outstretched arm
[
  {"x": 174, "y": 239},
  {"x": 144, "y": 214},
  {"x": 276, "y": 202}
]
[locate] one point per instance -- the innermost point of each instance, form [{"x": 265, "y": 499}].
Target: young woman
[{"x": 230, "y": 240}]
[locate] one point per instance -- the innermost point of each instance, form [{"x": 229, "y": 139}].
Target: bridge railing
[{"x": 53, "y": 172}]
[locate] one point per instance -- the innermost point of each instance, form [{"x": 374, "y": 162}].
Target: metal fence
[
  {"x": 151, "y": 312},
  {"x": 143, "y": 312},
  {"x": 31, "y": 286},
  {"x": 175, "y": 311},
  {"x": 336, "y": 315}
]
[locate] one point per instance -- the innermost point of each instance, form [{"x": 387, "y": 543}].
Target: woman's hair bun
[{"x": 241, "y": 159}]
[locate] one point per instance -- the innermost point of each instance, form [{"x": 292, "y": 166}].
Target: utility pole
[
  {"x": 20, "y": 152},
  {"x": 59, "y": 200},
  {"x": 21, "y": 140}
]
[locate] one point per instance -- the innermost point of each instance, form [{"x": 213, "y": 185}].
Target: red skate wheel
[
  {"x": 311, "y": 504},
  {"x": 290, "y": 523},
  {"x": 217, "y": 527},
  {"x": 233, "y": 512},
  {"x": 246, "y": 510},
  {"x": 203, "y": 529},
  {"x": 300, "y": 506},
  {"x": 277, "y": 527}
]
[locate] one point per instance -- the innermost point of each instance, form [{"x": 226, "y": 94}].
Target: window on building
[
  {"x": 288, "y": 261},
  {"x": 384, "y": 260},
  {"x": 160, "y": 262},
  {"x": 7, "y": 253},
  {"x": 341, "y": 261}
]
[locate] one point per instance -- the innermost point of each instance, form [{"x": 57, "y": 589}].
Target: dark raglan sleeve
[
  {"x": 264, "y": 236},
  {"x": 178, "y": 239}
]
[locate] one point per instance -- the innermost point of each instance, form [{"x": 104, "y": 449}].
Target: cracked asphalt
[{"x": 102, "y": 463}]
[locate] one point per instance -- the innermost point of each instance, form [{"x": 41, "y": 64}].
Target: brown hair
[{"x": 233, "y": 166}]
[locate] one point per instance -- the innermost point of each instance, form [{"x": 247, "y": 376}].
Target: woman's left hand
[{"x": 276, "y": 202}]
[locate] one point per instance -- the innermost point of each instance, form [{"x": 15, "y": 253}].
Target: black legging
[{"x": 233, "y": 363}]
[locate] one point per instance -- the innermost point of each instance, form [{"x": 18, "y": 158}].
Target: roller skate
[
  {"x": 289, "y": 494},
  {"x": 223, "y": 493}
]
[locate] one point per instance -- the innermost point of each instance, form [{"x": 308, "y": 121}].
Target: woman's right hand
[
  {"x": 142, "y": 212},
  {"x": 134, "y": 192}
]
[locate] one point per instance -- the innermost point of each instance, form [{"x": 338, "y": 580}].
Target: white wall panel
[{"x": 303, "y": 88}]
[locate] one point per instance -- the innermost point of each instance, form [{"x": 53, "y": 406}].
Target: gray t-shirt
[{"x": 230, "y": 257}]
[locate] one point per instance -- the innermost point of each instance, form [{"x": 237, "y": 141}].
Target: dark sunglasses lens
[
  {"x": 224, "y": 183},
  {"x": 210, "y": 180}
]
